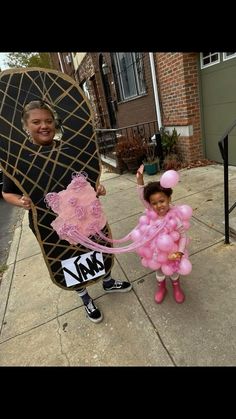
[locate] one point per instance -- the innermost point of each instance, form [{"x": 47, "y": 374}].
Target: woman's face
[{"x": 41, "y": 126}]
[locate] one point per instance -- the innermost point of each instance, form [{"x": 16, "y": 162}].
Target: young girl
[{"x": 157, "y": 198}]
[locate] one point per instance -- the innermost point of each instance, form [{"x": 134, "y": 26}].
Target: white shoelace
[{"x": 90, "y": 306}]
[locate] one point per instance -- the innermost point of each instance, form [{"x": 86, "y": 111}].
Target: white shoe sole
[{"x": 119, "y": 290}]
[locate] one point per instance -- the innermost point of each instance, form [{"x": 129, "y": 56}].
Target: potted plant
[
  {"x": 169, "y": 145},
  {"x": 151, "y": 161},
  {"x": 131, "y": 151}
]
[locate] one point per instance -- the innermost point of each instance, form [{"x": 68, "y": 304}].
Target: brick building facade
[
  {"x": 177, "y": 78},
  {"x": 178, "y": 82}
]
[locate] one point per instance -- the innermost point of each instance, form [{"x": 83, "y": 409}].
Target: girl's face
[
  {"x": 41, "y": 126},
  {"x": 160, "y": 203}
]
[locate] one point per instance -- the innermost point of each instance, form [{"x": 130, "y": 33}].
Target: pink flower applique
[
  {"x": 79, "y": 180},
  {"x": 80, "y": 212},
  {"x": 52, "y": 201},
  {"x": 96, "y": 208},
  {"x": 92, "y": 228},
  {"x": 72, "y": 201}
]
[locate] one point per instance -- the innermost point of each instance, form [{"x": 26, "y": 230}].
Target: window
[
  {"x": 228, "y": 55},
  {"x": 129, "y": 74},
  {"x": 209, "y": 58}
]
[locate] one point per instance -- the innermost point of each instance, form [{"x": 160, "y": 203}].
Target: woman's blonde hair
[{"x": 40, "y": 104}]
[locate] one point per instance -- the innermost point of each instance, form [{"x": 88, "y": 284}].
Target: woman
[{"x": 46, "y": 164}]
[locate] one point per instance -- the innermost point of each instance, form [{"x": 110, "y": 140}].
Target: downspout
[
  {"x": 60, "y": 61},
  {"x": 154, "y": 83}
]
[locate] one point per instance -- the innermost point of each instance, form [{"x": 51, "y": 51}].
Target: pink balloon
[
  {"x": 152, "y": 264},
  {"x": 171, "y": 223},
  {"x": 151, "y": 231},
  {"x": 165, "y": 231},
  {"x": 185, "y": 267},
  {"x": 143, "y": 220},
  {"x": 147, "y": 252},
  {"x": 186, "y": 211},
  {"x": 165, "y": 242},
  {"x": 144, "y": 262},
  {"x": 162, "y": 257},
  {"x": 140, "y": 251},
  {"x": 175, "y": 235},
  {"x": 135, "y": 235},
  {"x": 151, "y": 214},
  {"x": 167, "y": 269},
  {"x": 152, "y": 245},
  {"x": 186, "y": 224},
  {"x": 143, "y": 228},
  {"x": 169, "y": 179}
]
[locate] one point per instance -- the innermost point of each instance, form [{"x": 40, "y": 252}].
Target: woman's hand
[
  {"x": 101, "y": 190},
  {"x": 26, "y": 202},
  {"x": 139, "y": 175},
  {"x": 175, "y": 256}
]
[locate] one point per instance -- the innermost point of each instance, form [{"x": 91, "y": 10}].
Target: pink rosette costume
[{"x": 78, "y": 209}]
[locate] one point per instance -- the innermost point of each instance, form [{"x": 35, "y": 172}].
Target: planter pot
[
  {"x": 131, "y": 163},
  {"x": 121, "y": 165},
  {"x": 151, "y": 168}
]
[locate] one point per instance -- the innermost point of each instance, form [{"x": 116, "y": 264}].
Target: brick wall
[
  {"x": 86, "y": 72},
  {"x": 100, "y": 96},
  {"x": 178, "y": 84},
  {"x": 68, "y": 67}
]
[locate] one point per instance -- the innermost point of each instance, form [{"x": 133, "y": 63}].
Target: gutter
[
  {"x": 154, "y": 83},
  {"x": 60, "y": 61}
]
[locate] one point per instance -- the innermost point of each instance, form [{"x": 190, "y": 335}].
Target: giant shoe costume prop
[{"x": 39, "y": 170}]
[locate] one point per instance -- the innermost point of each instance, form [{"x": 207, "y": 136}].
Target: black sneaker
[
  {"x": 118, "y": 286},
  {"x": 93, "y": 313}
]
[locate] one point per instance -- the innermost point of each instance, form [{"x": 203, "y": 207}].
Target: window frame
[
  {"x": 210, "y": 54},
  {"x": 137, "y": 83},
  {"x": 225, "y": 58}
]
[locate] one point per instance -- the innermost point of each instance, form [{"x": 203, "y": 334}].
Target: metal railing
[
  {"x": 107, "y": 138},
  {"x": 224, "y": 149}
]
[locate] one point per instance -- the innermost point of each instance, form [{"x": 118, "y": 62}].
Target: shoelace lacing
[
  {"x": 91, "y": 306},
  {"x": 117, "y": 283}
]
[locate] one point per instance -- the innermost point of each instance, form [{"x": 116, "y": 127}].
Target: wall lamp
[{"x": 105, "y": 69}]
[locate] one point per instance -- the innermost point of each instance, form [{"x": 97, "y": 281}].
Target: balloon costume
[{"x": 81, "y": 218}]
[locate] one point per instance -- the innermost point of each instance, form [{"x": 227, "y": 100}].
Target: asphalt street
[{"x": 10, "y": 218}]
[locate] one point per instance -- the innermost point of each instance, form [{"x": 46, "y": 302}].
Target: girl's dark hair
[
  {"x": 155, "y": 187},
  {"x": 40, "y": 104}
]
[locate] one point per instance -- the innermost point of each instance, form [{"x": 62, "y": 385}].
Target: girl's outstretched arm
[
  {"x": 139, "y": 175},
  {"x": 140, "y": 185}
]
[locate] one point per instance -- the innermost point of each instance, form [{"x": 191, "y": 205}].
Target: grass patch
[{"x": 3, "y": 268}]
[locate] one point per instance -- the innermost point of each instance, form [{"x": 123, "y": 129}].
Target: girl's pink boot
[
  {"x": 177, "y": 292},
  {"x": 161, "y": 291}
]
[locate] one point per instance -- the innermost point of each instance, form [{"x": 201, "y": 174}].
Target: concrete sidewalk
[{"x": 43, "y": 325}]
